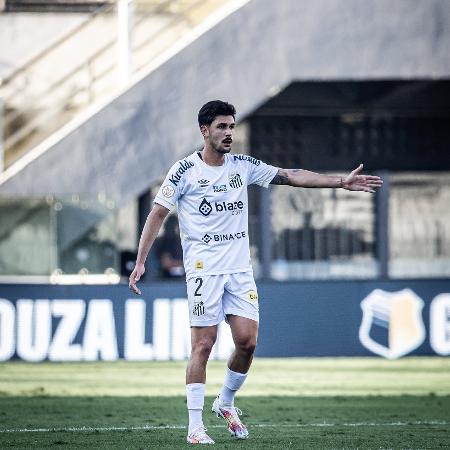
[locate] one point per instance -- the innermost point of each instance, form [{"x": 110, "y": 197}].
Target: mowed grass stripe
[
  {"x": 268, "y": 376},
  {"x": 250, "y": 425}
]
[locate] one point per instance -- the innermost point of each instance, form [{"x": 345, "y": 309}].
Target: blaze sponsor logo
[
  {"x": 229, "y": 206},
  {"x": 182, "y": 168},
  {"x": 203, "y": 182},
  {"x": 392, "y": 324},
  {"x": 253, "y": 296},
  {"x": 235, "y": 180},
  {"x": 206, "y": 208},
  {"x": 220, "y": 188},
  {"x": 248, "y": 158},
  {"x": 168, "y": 191}
]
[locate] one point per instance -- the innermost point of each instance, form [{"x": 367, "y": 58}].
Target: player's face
[{"x": 220, "y": 133}]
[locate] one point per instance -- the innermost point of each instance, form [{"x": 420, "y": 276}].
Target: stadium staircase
[
  {"x": 80, "y": 69},
  {"x": 86, "y": 133}
]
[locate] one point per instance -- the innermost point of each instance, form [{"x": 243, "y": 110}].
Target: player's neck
[{"x": 212, "y": 158}]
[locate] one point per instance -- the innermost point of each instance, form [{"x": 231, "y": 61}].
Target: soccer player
[{"x": 209, "y": 188}]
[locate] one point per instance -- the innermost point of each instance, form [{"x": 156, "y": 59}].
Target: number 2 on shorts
[{"x": 198, "y": 281}]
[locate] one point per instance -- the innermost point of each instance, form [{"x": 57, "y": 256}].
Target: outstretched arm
[
  {"x": 305, "y": 178},
  {"x": 148, "y": 236}
]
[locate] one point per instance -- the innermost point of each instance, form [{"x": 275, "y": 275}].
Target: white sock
[
  {"x": 195, "y": 393},
  {"x": 233, "y": 381}
]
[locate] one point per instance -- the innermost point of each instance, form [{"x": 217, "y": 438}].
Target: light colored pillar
[{"x": 124, "y": 36}]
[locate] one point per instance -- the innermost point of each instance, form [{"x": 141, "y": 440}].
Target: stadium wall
[
  {"x": 337, "y": 318},
  {"x": 248, "y": 57}
]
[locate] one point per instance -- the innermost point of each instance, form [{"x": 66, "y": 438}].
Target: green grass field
[{"x": 339, "y": 403}]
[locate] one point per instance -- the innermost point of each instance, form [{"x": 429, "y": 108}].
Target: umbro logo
[
  {"x": 205, "y": 207},
  {"x": 206, "y": 238},
  {"x": 203, "y": 182}
]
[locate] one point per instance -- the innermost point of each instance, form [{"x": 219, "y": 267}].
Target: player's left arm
[{"x": 304, "y": 178}]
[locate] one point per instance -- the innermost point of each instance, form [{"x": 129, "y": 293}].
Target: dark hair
[{"x": 209, "y": 111}]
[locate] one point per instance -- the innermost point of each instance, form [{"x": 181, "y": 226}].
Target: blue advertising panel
[{"x": 337, "y": 318}]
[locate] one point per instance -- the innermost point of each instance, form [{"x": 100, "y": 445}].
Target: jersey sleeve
[
  {"x": 261, "y": 173},
  {"x": 170, "y": 190}
]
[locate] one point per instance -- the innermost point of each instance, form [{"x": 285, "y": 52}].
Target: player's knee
[
  {"x": 203, "y": 346},
  {"x": 247, "y": 346}
]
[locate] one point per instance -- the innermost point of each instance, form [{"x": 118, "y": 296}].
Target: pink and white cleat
[
  {"x": 231, "y": 415},
  {"x": 199, "y": 436}
]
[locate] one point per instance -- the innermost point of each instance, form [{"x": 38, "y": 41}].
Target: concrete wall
[{"x": 245, "y": 59}]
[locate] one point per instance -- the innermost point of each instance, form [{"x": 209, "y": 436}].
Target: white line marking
[{"x": 260, "y": 425}]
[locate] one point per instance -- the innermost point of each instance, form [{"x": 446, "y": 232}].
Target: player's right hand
[{"x": 135, "y": 276}]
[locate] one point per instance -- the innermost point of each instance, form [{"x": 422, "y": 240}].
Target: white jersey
[{"x": 212, "y": 208}]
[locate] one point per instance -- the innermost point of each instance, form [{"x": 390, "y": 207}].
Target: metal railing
[{"x": 51, "y": 89}]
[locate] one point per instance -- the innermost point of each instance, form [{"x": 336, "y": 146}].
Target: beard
[{"x": 219, "y": 148}]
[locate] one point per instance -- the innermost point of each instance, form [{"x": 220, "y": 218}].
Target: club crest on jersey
[
  {"x": 183, "y": 167},
  {"x": 203, "y": 183},
  {"x": 235, "y": 180},
  {"x": 198, "y": 309},
  {"x": 220, "y": 188},
  {"x": 205, "y": 207},
  {"x": 392, "y": 324}
]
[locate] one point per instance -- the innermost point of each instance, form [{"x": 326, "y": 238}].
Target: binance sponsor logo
[
  {"x": 207, "y": 238},
  {"x": 168, "y": 191},
  {"x": 229, "y": 236},
  {"x": 199, "y": 265},
  {"x": 253, "y": 296},
  {"x": 235, "y": 180},
  {"x": 392, "y": 324},
  {"x": 220, "y": 188}
]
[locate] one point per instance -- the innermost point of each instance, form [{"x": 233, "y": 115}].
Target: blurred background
[{"x": 97, "y": 101}]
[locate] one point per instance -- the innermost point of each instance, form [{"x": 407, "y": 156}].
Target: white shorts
[{"x": 212, "y": 297}]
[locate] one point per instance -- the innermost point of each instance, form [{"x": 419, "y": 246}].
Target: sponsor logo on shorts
[
  {"x": 168, "y": 191},
  {"x": 253, "y": 296},
  {"x": 198, "y": 309},
  {"x": 220, "y": 188},
  {"x": 224, "y": 237},
  {"x": 182, "y": 168},
  {"x": 235, "y": 180},
  {"x": 254, "y": 161},
  {"x": 235, "y": 207},
  {"x": 203, "y": 182},
  {"x": 199, "y": 264}
]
